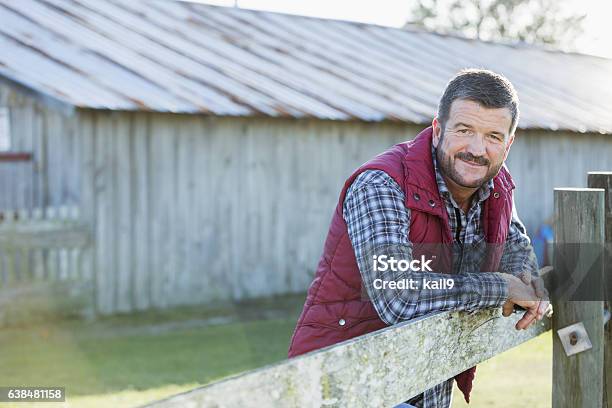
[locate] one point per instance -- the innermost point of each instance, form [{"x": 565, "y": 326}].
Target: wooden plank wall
[
  {"x": 51, "y": 178},
  {"x": 541, "y": 161},
  {"x": 188, "y": 209},
  {"x": 44, "y": 188}
]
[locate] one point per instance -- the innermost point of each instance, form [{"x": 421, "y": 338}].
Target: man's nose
[{"x": 477, "y": 145}]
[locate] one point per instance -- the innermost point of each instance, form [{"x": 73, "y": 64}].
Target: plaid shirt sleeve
[
  {"x": 378, "y": 223},
  {"x": 518, "y": 257}
]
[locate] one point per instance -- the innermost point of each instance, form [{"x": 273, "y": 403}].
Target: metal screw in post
[{"x": 573, "y": 338}]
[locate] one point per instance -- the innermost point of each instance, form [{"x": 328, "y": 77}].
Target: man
[{"x": 445, "y": 200}]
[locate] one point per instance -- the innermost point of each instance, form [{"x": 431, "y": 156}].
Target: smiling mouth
[{"x": 471, "y": 163}]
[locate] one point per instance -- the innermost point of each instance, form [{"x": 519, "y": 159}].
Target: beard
[{"x": 447, "y": 164}]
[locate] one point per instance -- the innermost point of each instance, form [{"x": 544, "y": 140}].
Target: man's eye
[
  {"x": 463, "y": 130},
  {"x": 497, "y": 138}
]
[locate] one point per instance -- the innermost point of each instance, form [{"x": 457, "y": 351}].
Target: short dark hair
[{"x": 485, "y": 87}]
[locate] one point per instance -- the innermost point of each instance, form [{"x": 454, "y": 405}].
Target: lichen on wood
[{"x": 382, "y": 368}]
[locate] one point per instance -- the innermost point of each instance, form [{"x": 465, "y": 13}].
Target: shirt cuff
[{"x": 489, "y": 290}]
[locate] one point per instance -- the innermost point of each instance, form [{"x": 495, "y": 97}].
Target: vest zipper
[{"x": 458, "y": 232}]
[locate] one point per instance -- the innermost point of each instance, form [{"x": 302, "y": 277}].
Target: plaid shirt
[{"x": 378, "y": 220}]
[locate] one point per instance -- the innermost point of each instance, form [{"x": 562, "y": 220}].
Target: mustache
[{"x": 483, "y": 161}]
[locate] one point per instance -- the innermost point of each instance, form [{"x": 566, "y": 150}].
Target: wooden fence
[
  {"x": 42, "y": 254},
  {"x": 386, "y": 367}
]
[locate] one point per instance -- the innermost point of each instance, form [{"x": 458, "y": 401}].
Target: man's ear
[{"x": 437, "y": 131}]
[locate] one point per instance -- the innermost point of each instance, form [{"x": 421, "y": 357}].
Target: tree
[{"x": 530, "y": 21}]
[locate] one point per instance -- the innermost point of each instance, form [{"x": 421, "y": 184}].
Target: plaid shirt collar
[{"x": 483, "y": 192}]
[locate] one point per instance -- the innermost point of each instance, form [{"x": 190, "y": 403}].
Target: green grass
[
  {"x": 129, "y": 360},
  {"x": 520, "y": 377},
  {"x": 125, "y": 361}
]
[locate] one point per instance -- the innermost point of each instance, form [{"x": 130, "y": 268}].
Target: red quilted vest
[{"x": 335, "y": 292}]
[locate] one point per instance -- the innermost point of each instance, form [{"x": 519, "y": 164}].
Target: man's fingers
[
  {"x": 542, "y": 309},
  {"x": 528, "y": 318},
  {"x": 507, "y": 309},
  {"x": 525, "y": 322}
]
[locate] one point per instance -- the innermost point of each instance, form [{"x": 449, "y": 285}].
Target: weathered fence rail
[
  {"x": 41, "y": 264},
  {"x": 42, "y": 244},
  {"x": 380, "y": 369},
  {"x": 384, "y": 368}
]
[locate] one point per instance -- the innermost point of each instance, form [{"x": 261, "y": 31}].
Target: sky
[{"x": 596, "y": 40}]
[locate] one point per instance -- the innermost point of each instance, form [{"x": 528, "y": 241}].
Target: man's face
[{"x": 474, "y": 143}]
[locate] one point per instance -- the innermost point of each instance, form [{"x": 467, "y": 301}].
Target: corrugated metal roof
[{"x": 173, "y": 56}]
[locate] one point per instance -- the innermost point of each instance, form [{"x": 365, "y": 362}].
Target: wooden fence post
[
  {"x": 604, "y": 180},
  {"x": 579, "y": 219}
]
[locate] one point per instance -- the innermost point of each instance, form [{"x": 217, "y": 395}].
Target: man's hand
[
  {"x": 541, "y": 293},
  {"x": 530, "y": 296}
]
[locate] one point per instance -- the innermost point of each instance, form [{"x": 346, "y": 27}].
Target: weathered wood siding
[
  {"x": 190, "y": 209},
  {"x": 186, "y": 209},
  {"x": 51, "y": 178},
  {"x": 37, "y": 281},
  {"x": 541, "y": 161}
]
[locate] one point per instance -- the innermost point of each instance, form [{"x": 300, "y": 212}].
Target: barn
[{"x": 203, "y": 147}]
